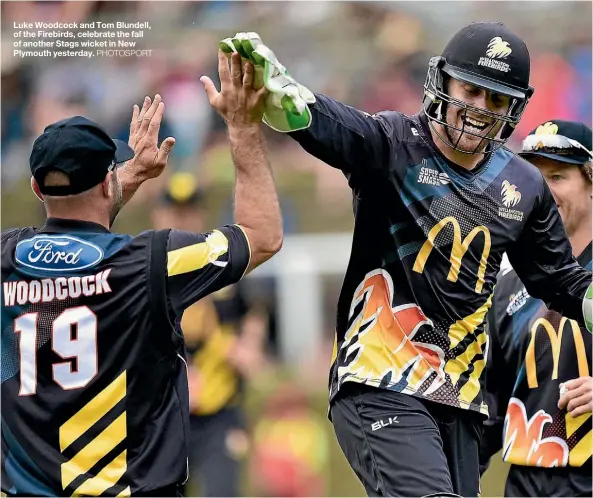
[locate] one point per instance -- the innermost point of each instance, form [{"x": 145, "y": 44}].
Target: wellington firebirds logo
[
  {"x": 510, "y": 195},
  {"x": 498, "y": 48},
  {"x": 510, "y": 198},
  {"x": 548, "y": 128}
]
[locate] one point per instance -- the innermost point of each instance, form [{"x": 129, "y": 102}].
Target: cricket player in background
[{"x": 538, "y": 379}]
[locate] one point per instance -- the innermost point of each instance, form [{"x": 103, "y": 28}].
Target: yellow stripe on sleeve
[{"x": 197, "y": 256}]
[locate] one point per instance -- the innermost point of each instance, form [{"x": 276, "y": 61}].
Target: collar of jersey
[{"x": 61, "y": 225}]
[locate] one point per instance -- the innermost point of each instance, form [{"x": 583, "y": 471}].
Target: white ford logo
[{"x": 57, "y": 253}]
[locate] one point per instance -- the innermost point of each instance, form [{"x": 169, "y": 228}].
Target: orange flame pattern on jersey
[
  {"x": 385, "y": 344},
  {"x": 523, "y": 442}
]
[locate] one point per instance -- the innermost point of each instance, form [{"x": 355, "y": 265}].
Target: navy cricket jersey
[
  {"x": 94, "y": 379},
  {"x": 429, "y": 237},
  {"x": 534, "y": 350}
]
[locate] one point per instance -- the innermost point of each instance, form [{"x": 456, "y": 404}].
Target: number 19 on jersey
[{"x": 73, "y": 336}]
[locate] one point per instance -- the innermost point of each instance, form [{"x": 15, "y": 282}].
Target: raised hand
[
  {"x": 286, "y": 106},
  {"x": 149, "y": 159},
  {"x": 238, "y": 102}
]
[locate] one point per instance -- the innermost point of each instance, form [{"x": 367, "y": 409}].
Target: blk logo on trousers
[{"x": 379, "y": 424}]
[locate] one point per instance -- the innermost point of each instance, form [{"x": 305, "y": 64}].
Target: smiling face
[
  {"x": 571, "y": 190},
  {"x": 474, "y": 127}
]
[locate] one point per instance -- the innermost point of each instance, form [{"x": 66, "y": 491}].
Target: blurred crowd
[{"x": 372, "y": 55}]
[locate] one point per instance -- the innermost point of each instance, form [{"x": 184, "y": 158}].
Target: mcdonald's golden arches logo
[
  {"x": 459, "y": 249},
  {"x": 556, "y": 346}
]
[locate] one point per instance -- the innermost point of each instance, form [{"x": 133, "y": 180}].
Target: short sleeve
[{"x": 199, "y": 264}]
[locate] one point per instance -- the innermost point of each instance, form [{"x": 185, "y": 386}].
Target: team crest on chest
[{"x": 510, "y": 197}]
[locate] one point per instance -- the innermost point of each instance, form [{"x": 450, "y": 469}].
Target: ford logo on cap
[{"x": 57, "y": 253}]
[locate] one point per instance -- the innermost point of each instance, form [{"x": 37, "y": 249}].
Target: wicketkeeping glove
[{"x": 286, "y": 107}]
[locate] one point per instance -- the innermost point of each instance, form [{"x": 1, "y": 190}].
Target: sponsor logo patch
[{"x": 57, "y": 253}]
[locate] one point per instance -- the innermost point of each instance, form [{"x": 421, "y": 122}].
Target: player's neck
[
  {"x": 580, "y": 239},
  {"x": 79, "y": 216}
]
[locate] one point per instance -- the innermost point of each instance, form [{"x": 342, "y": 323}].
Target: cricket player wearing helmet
[{"x": 438, "y": 200}]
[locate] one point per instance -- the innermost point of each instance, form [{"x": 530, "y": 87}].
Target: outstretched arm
[
  {"x": 344, "y": 137},
  {"x": 257, "y": 210},
  {"x": 200, "y": 264}
]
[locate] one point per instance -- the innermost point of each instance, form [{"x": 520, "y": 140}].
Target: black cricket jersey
[
  {"x": 534, "y": 350},
  {"x": 94, "y": 379},
  {"x": 429, "y": 237}
]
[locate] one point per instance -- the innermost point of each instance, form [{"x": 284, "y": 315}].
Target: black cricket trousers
[{"x": 401, "y": 445}]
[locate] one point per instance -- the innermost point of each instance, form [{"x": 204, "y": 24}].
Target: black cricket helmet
[{"x": 487, "y": 55}]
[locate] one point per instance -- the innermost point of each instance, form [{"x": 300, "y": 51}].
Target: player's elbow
[
  {"x": 276, "y": 242},
  {"x": 264, "y": 244},
  {"x": 271, "y": 245},
  {"x": 273, "y": 235}
]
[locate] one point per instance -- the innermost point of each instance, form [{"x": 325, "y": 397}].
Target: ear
[
  {"x": 106, "y": 185},
  {"x": 35, "y": 189}
]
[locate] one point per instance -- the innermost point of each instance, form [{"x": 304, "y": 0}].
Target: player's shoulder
[
  {"x": 147, "y": 242},
  {"x": 218, "y": 239},
  {"x": 10, "y": 239},
  {"x": 12, "y": 236},
  {"x": 400, "y": 127},
  {"x": 40, "y": 251},
  {"x": 144, "y": 239},
  {"x": 147, "y": 235},
  {"x": 520, "y": 168},
  {"x": 15, "y": 233}
]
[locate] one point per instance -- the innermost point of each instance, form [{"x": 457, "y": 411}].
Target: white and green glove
[
  {"x": 588, "y": 308},
  {"x": 287, "y": 102}
]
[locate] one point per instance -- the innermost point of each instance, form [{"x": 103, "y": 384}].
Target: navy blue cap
[
  {"x": 80, "y": 149},
  {"x": 568, "y": 142}
]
